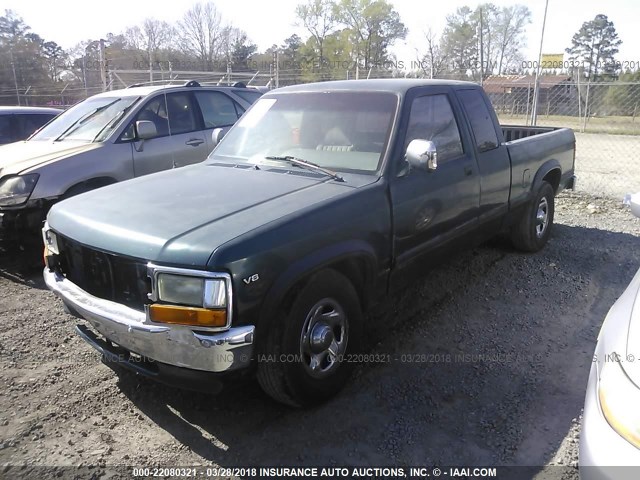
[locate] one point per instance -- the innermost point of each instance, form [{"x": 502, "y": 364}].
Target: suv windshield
[
  {"x": 343, "y": 131},
  {"x": 87, "y": 120}
]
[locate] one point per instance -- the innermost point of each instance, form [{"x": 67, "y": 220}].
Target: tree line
[{"x": 342, "y": 39}]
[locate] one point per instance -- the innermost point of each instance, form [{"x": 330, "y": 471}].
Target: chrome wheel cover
[
  {"x": 324, "y": 337},
  {"x": 542, "y": 217}
]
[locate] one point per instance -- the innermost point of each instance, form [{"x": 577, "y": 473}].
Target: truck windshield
[
  {"x": 86, "y": 120},
  {"x": 341, "y": 131}
]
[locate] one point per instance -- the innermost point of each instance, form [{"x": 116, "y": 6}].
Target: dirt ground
[
  {"x": 490, "y": 355},
  {"x": 607, "y": 164}
]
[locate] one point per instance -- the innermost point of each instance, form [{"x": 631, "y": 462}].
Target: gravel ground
[
  {"x": 607, "y": 164},
  {"x": 489, "y": 359}
]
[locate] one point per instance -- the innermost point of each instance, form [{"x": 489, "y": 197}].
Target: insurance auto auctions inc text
[{"x": 376, "y": 472}]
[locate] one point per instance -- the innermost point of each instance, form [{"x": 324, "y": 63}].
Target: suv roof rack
[{"x": 190, "y": 83}]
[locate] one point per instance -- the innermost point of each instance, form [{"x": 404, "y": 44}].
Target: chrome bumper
[{"x": 174, "y": 345}]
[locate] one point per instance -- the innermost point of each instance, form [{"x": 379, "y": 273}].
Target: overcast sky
[{"x": 68, "y": 22}]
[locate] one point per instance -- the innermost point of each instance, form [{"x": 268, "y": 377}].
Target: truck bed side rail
[{"x": 516, "y": 132}]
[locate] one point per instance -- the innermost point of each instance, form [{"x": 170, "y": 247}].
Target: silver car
[
  {"x": 610, "y": 437},
  {"x": 110, "y": 137}
]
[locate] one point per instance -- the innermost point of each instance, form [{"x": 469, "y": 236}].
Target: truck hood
[
  {"x": 181, "y": 216},
  {"x": 20, "y": 156}
]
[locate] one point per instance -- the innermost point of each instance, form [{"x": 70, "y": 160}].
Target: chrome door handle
[{"x": 194, "y": 142}]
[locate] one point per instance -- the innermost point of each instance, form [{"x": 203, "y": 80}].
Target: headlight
[
  {"x": 50, "y": 241},
  {"x": 193, "y": 291},
  {"x": 190, "y": 297},
  {"x": 17, "y": 190},
  {"x": 619, "y": 400}
]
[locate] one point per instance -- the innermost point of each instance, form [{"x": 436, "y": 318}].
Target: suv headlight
[
  {"x": 16, "y": 190},
  {"x": 190, "y": 300},
  {"x": 619, "y": 398}
]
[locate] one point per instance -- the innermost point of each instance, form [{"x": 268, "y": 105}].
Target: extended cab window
[
  {"x": 432, "y": 118},
  {"x": 480, "y": 118},
  {"x": 218, "y": 110}
]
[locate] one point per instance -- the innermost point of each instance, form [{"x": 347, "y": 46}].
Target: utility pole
[
  {"x": 536, "y": 85},
  {"x": 103, "y": 65},
  {"x": 15, "y": 78},
  {"x": 84, "y": 73},
  {"x": 275, "y": 68},
  {"x": 150, "y": 64}
]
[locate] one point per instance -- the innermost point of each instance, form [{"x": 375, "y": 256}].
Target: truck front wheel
[
  {"x": 305, "y": 358},
  {"x": 532, "y": 231}
]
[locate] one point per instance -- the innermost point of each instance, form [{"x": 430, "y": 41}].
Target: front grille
[{"x": 112, "y": 277}]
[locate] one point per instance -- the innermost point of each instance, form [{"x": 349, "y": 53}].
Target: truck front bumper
[{"x": 173, "y": 346}]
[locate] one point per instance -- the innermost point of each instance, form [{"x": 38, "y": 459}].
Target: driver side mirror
[
  {"x": 217, "y": 134},
  {"x": 422, "y": 154},
  {"x": 146, "y": 129}
]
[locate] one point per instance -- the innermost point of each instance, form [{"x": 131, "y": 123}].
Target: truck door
[
  {"x": 431, "y": 207},
  {"x": 493, "y": 159},
  {"x": 180, "y": 140}
]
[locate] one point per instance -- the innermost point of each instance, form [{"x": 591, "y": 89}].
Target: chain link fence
[{"x": 605, "y": 116}]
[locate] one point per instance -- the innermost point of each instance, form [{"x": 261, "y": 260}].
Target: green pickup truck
[{"x": 321, "y": 200}]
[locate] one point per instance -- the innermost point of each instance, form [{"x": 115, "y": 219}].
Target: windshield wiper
[
  {"x": 114, "y": 121},
  {"x": 306, "y": 164},
  {"x": 82, "y": 120}
]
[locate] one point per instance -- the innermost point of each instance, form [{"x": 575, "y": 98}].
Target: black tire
[
  {"x": 532, "y": 232},
  {"x": 285, "y": 369}
]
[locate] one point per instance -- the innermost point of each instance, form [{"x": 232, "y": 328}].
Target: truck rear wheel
[
  {"x": 532, "y": 232},
  {"x": 304, "y": 358}
]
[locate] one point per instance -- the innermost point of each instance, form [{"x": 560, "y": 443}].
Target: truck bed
[{"x": 531, "y": 147}]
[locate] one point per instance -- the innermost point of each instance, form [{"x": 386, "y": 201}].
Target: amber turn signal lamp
[{"x": 198, "y": 317}]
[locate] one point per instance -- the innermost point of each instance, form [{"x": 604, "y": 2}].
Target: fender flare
[
  {"x": 305, "y": 267},
  {"x": 542, "y": 172}
]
